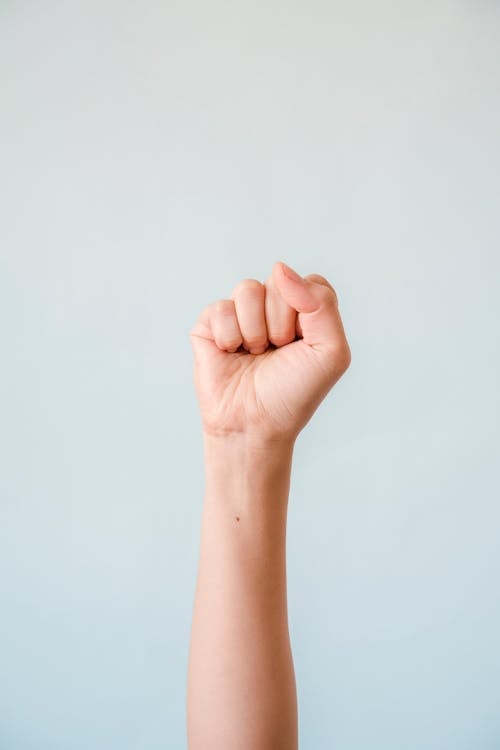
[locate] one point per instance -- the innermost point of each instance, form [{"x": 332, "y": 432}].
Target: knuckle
[
  {"x": 233, "y": 342},
  {"x": 343, "y": 357},
  {"x": 250, "y": 288},
  {"x": 347, "y": 356},
  {"x": 328, "y": 294},
  {"x": 280, "y": 338},
  {"x": 224, "y": 307},
  {"x": 255, "y": 342},
  {"x": 318, "y": 279},
  {"x": 339, "y": 359},
  {"x": 325, "y": 289}
]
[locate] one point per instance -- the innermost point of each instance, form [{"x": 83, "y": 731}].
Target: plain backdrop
[{"x": 153, "y": 154}]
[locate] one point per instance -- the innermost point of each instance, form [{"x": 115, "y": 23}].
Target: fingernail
[{"x": 291, "y": 273}]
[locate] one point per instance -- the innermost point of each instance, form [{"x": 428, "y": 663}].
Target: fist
[{"x": 265, "y": 358}]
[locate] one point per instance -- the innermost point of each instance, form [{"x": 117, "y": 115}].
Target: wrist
[
  {"x": 245, "y": 473},
  {"x": 239, "y": 450}
]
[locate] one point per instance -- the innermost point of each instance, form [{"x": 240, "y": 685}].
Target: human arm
[
  {"x": 264, "y": 360},
  {"x": 242, "y": 687}
]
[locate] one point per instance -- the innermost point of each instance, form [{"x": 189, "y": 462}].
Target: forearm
[{"x": 241, "y": 686}]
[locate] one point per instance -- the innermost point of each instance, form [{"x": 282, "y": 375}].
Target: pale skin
[{"x": 264, "y": 359}]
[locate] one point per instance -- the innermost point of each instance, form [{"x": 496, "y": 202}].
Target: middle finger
[{"x": 249, "y": 300}]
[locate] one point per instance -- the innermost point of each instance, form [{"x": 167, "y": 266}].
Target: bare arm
[
  {"x": 242, "y": 688},
  {"x": 241, "y": 685}
]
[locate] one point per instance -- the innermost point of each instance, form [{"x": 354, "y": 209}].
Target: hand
[{"x": 266, "y": 358}]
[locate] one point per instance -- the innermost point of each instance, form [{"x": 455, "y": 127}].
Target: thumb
[{"x": 315, "y": 301}]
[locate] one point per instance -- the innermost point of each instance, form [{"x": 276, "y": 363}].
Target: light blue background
[{"x": 152, "y": 155}]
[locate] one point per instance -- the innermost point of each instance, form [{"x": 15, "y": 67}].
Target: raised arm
[{"x": 263, "y": 361}]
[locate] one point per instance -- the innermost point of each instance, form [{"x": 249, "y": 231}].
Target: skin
[{"x": 264, "y": 359}]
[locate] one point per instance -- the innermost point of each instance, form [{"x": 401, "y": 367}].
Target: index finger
[{"x": 281, "y": 319}]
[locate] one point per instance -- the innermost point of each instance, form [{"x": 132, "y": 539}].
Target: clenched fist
[{"x": 265, "y": 358}]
